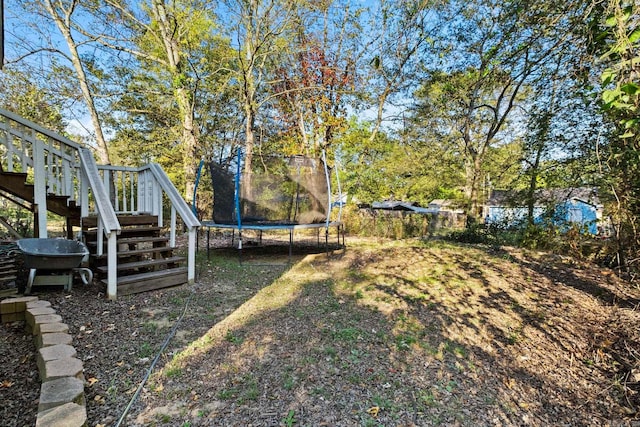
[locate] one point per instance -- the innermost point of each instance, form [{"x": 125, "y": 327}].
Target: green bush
[{"x": 394, "y": 225}]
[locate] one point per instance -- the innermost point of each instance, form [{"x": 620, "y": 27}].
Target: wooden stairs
[
  {"x": 15, "y": 184},
  {"x": 145, "y": 259},
  {"x": 8, "y": 267}
]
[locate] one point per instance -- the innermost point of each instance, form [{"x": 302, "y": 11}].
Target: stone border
[{"x": 62, "y": 401}]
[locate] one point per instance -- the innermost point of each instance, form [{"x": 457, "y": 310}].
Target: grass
[
  {"x": 290, "y": 419},
  {"x": 146, "y": 350},
  {"x": 418, "y": 330}
]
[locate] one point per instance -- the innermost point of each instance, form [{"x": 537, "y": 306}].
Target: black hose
[{"x": 155, "y": 360}]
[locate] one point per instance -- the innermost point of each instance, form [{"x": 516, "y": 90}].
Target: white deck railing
[
  {"x": 148, "y": 189},
  {"x": 57, "y": 165}
]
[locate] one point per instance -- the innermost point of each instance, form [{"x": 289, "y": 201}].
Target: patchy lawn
[
  {"x": 407, "y": 333},
  {"x": 383, "y": 334}
]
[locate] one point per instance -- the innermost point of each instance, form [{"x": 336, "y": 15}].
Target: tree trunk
[
  {"x": 182, "y": 94},
  {"x": 189, "y": 141},
  {"x": 63, "y": 26}
]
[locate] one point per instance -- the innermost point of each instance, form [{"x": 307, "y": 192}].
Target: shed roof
[
  {"x": 545, "y": 196},
  {"x": 396, "y": 205}
]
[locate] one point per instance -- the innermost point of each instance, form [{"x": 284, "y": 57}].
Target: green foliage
[
  {"x": 26, "y": 98},
  {"x": 21, "y": 220},
  {"x": 402, "y": 167},
  {"x": 617, "y": 41},
  {"x": 475, "y": 234},
  {"x": 364, "y": 222},
  {"x": 621, "y": 85},
  {"x": 290, "y": 419}
]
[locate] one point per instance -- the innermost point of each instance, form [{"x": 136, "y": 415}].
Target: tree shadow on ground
[
  {"x": 593, "y": 285},
  {"x": 390, "y": 336}
]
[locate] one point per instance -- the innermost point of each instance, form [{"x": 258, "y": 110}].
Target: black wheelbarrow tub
[{"x": 52, "y": 254}]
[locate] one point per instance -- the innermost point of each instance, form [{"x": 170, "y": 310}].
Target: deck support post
[
  {"x": 191, "y": 256},
  {"x": 40, "y": 188},
  {"x": 112, "y": 266}
]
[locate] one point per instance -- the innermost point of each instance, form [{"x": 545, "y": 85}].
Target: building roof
[
  {"x": 396, "y": 205},
  {"x": 545, "y": 196}
]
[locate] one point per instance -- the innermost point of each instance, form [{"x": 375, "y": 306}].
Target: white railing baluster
[
  {"x": 24, "y": 154},
  {"x": 63, "y": 167},
  {"x": 157, "y": 196},
  {"x": 84, "y": 195},
  {"x": 67, "y": 177},
  {"x": 148, "y": 188},
  {"x": 131, "y": 178},
  {"x": 124, "y": 191},
  {"x": 116, "y": 195},
  {"x": 48, "y": 167},
  {"x": 40, "y": 188},
  {"x": 57, "y": 161},
  {"x": 172, "y": 227},
  {"x": 100, "y": 238},
  {"x": 105, "y": 181},
  {"x": 10, "y": 149}
]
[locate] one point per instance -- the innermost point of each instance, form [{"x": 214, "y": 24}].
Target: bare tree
[{"x": 62, "y": 14}]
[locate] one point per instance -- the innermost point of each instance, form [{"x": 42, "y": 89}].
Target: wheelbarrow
[{"x": 60, "y": 256}]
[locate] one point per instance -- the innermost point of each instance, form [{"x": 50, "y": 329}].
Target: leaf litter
[{"x": 382, "y": 334}]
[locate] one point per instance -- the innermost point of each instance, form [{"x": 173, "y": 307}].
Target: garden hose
[{"x": 155, "y": 360}]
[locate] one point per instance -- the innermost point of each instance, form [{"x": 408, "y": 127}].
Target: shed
[{"x": 565, "y": 206}]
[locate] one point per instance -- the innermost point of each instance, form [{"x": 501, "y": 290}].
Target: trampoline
[{"x": 278, "y": 193}]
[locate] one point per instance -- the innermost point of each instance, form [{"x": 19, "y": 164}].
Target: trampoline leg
[
  {"x": 233, "y": 236},
  {"x": 344, "y": 242},
  {"x": 290, "y": 243},
  {"x": 326, "y": 240},
  {"x": 208, "y": 233}
]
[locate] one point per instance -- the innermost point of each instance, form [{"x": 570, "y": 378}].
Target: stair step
[
  {"x": 8, "y": 292},
  {"x": 149, "y": 281},
  {"x": 134, "y": 240},
  {"x": 22, "y": 175},
  {"x": 122, "y": 254},
  {"x": 124, "y": 220},
  {"x": 145, "y": 263},
  {"x": 140, "y": 230}
]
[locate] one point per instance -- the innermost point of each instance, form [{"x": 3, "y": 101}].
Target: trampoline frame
[{"x": 290, "y": 227}]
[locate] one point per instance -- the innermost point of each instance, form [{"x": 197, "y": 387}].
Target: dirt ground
[{"x": 384, "y": 333}]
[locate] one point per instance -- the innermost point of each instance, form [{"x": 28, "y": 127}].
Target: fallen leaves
[{"x": 373, "y": 411}]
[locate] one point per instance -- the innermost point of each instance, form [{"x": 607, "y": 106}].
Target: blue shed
[
  {"x": 568, "y": 206},
  {"x": 577, "y": 211}
]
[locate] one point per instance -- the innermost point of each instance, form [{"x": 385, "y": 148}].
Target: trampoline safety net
[{"x": 277, "y": 190}]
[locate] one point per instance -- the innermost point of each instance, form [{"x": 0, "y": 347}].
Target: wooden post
[
  {"x": 112, "y": 267},
  {"x": 40, "y": 188},
  {"x": 191, "y": 257}
]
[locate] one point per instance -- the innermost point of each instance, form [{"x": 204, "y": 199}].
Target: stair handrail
[
  {"x": 177, "y": 201},
  {"x": 108, "y": 224},
  {"x": 87, "y": 164},
  {"x": 102, "y": 202},
  {"x": 178, "y": 205},
  {"x": 39, "y": 129}
]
